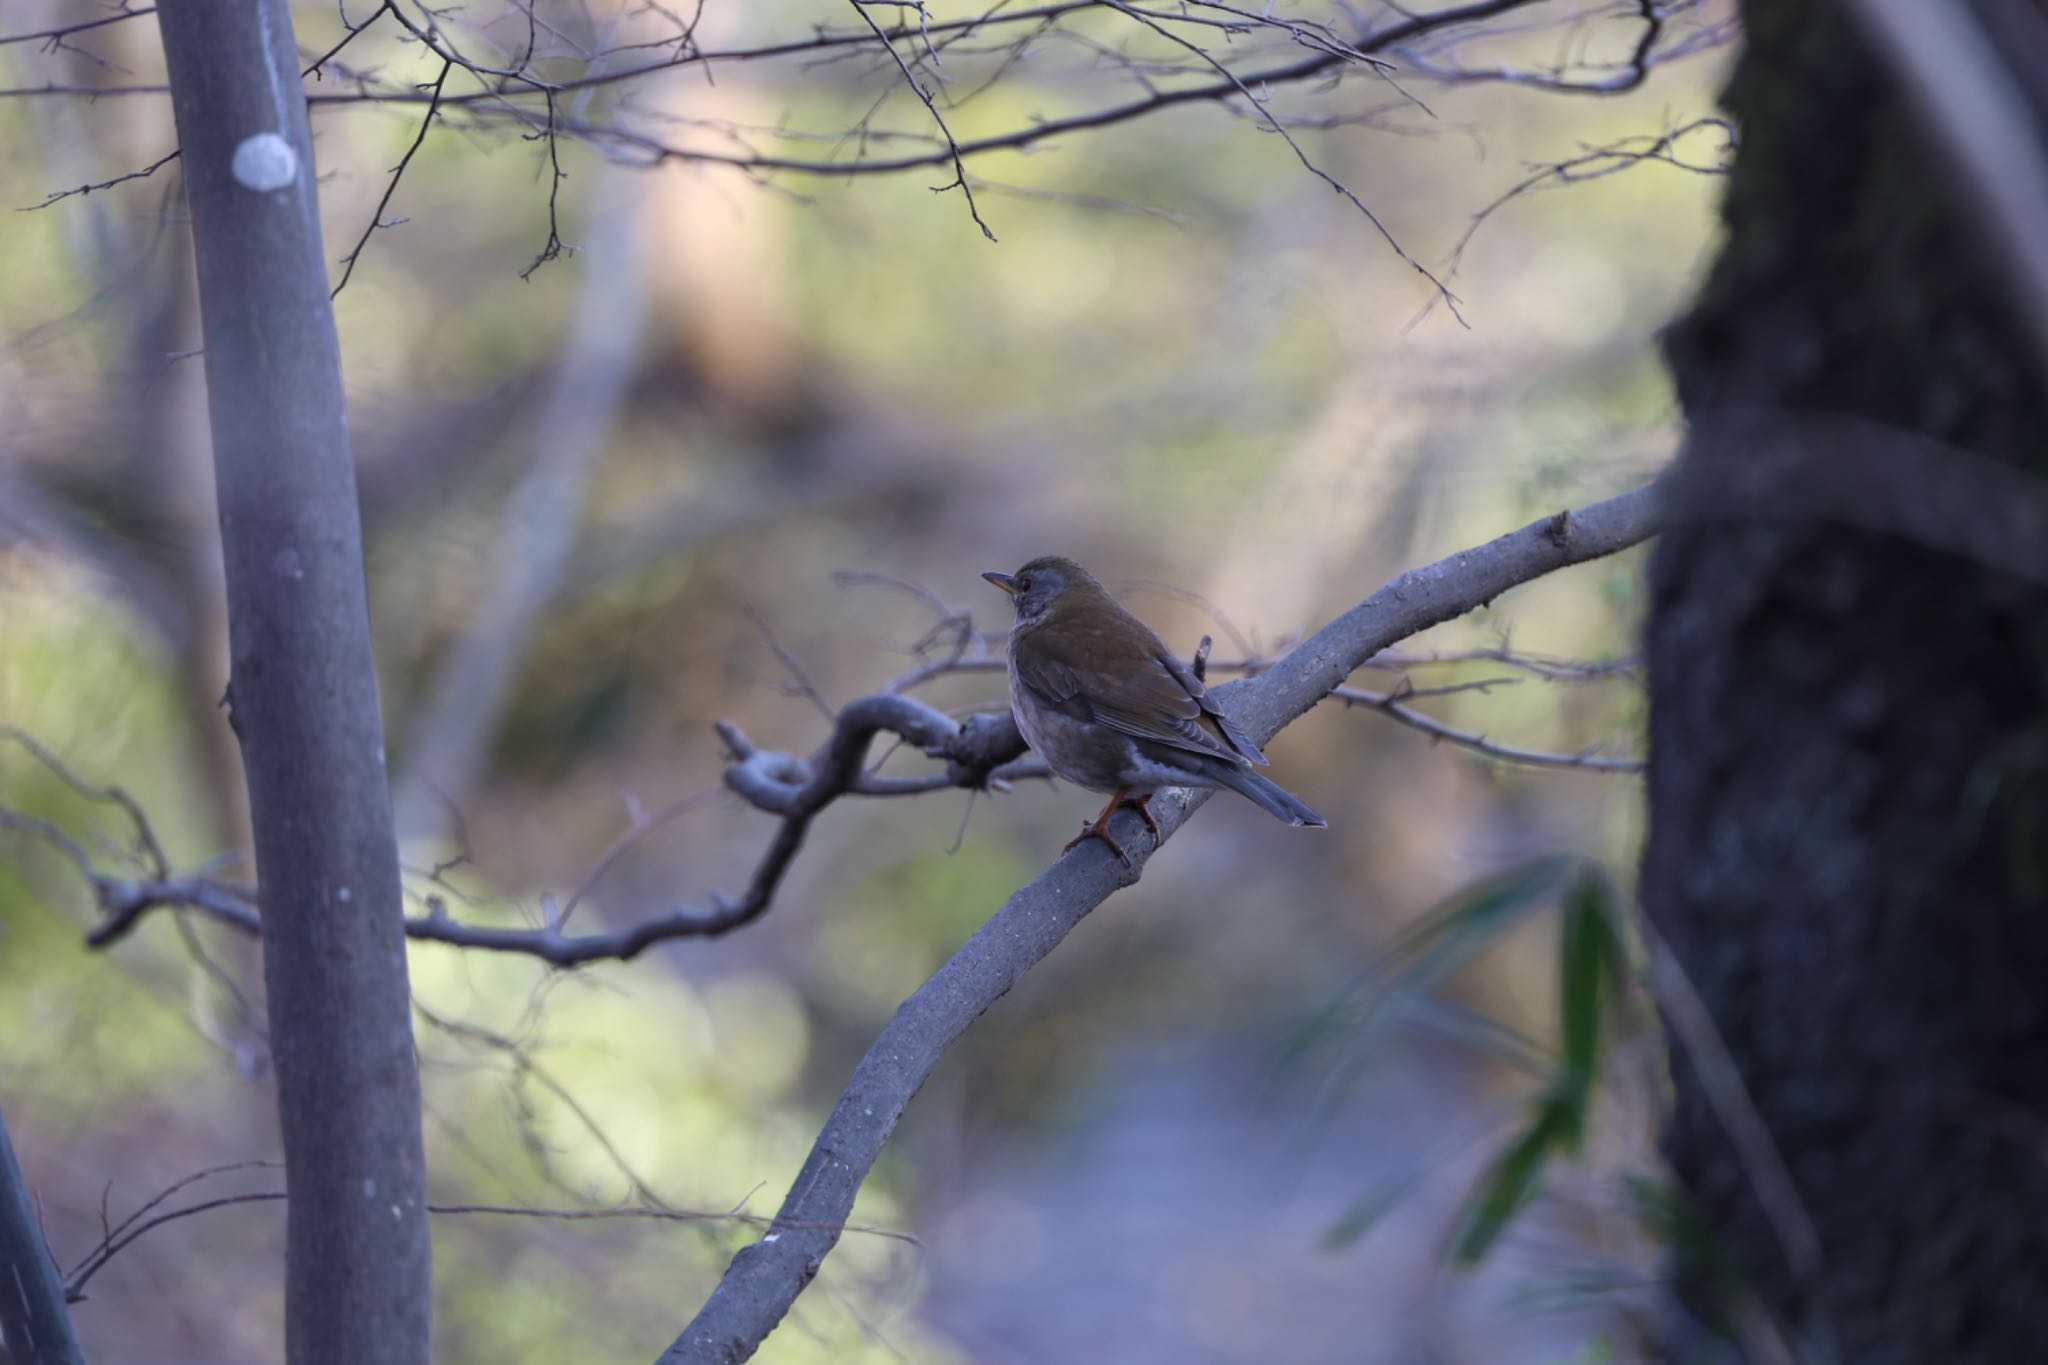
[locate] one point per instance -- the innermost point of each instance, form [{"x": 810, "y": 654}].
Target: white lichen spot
[
  {"x": 286, "y": 563},
  {"x": 345, "y": 895},
  {"x": 369, "y": 1187},
  {"x": 397, "y": 1214},
  {"x": 770, "y": 1237},
  {"x": 264, "y": 162}
]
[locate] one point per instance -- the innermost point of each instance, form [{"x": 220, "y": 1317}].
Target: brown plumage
[{"x": 1110, "y": 708}]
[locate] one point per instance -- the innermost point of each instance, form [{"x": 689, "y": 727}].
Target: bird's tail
[{"x": 1270, "y": 796}]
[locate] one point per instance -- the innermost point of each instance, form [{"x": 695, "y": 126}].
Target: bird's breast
[{"x": 1078, "y": 751}]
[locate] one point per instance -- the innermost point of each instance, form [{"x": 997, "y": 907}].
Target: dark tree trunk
[
  {"x": 304, "y": 695},
  {"x": 1849, "y": 774},
  {"x": 35, "y": 1324}
]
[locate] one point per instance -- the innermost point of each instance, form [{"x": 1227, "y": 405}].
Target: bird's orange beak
[{"x": 1003, "y": 581}]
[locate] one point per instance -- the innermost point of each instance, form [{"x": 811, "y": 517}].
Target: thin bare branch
[
  {"x": 1391, "y": 704},
  {"x": 58, "y": 34},
  {"x": 1599, "y": 162},
  {"x": 553, "y": 248},
  {"x": 348, "y": 262},
  {"x": 959, "y": 181},
  {"x": 147, "y": 171}
]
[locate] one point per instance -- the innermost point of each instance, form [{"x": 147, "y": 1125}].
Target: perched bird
[{"x": 1108, "y": 707}]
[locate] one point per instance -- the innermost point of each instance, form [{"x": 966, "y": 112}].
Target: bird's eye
[{"x": 1024, "y": 584}]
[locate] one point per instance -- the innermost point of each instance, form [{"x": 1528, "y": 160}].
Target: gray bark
[
  {"x": 35, "y": 1325},
  {"x": 1849, "y": 736},
  {"x": 303, "y": 695}
]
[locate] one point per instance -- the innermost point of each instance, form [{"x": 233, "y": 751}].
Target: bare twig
[
  {"x": 317, "y": 69},
  {"x": 553, "y": 248},
  {"x": 1443, "y": 291},
  {"x": 138, "y": 1224},
  {"x": 1599, "y": 162},
  {"x": 1391, "y": 704},
  {"x": 147, "y": 171},
  {"x": 348, "y": 262},
  {"x": 1542, "y": 666},
  {"x": 93, "y": 1260},
  {"x": 147, "y": 848},
  {"x": 642, "y": 826},
  {"x": 58, "y": 34},
  {"x": 959, "y": 181},
  {"x": 800, "y": 683}
]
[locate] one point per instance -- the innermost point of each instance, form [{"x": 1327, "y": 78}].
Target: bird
[{"x": 1109, "y": 707}]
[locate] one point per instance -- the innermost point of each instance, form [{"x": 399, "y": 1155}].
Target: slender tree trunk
[
  {"x": 1849, "y": 773},
  {"x": 303, "y": 695},
  {"x": 35, "y": 1325}
]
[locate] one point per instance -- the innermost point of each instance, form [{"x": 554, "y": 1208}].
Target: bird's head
[{"x": 1045, "y": 586}]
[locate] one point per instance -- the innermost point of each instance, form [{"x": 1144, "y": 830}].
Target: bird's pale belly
[{"x": 1086, "y": 755}]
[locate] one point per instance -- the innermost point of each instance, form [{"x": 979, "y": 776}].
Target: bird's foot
[
  {"x": 1144, "y": 805},
  {"x": 1099, "y": 829}
]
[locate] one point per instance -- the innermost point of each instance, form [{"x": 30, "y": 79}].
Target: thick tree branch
[{"x": 765, "y": 1278}]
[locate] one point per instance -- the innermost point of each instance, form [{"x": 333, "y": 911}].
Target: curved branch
[
  {"x": 765, "y": 1278},
  {"x": 979, "y": 753}
]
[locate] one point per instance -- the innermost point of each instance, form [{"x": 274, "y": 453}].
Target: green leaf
[
  {"x": 1509, "y": 1186},
  {"x": 1589, "y": 967},
  {"x": 1375, "y": 1204},
  {"x": 1448, "y": 936},
  {"x": 1424, "y": 954}
]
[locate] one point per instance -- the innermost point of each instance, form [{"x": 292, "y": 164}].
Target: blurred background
[{"x": 598, "y": 500}]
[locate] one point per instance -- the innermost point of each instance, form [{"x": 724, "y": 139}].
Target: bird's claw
[
  {"x": 1144, "y": 805},
  {"x": 1099, "y": 830},
  {"x": 1099, "y": 827}
]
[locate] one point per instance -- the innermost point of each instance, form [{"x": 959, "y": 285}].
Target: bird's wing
[
  {"x": 1127, "y": 681},
  {"x": 1228, "y": 728}
]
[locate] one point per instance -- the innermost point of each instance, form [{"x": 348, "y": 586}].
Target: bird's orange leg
[
  {"x": 1144, "y": 805},
  {"x": 1099, "y": 829}
]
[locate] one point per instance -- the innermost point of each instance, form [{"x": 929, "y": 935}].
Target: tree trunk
[
  {"x": 1849, "y": 735},
  {"x": 35, "y": 1324},
  {"x": 304, "y": 695}
]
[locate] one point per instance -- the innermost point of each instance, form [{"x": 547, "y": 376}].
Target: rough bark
[
  {"x": 1849, "y": 735},
  {"x": 303, "y": 695}
]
